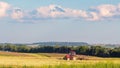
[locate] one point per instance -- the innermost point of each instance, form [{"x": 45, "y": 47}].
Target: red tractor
[{"x": 71, "y": 56}]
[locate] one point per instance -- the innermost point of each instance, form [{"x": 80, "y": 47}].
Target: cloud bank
[
  {"x": 101, "y": 12},
  {"x": 3, "y": 9}
]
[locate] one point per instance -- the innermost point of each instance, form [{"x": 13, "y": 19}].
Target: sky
[{"x": 29, "y": 21}]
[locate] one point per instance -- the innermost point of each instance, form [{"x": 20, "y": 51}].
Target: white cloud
[
  {"x": 3, "y": 9},
  {"x": 101, "y": 12},
  {"x": 104, "y": 12},
  {"x": 17, "y": 14},
  {"x": 54, "y": 11},
  {"x": 94, "y": 16}
]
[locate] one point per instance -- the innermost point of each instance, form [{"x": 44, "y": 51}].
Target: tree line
[{"x": 84, "y": 50}]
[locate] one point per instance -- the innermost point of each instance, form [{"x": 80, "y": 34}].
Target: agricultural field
[{"x": 53, "y": 60}]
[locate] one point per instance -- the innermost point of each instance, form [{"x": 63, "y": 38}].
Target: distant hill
[
  {"x": 61, "y": 43},
  {"x": 107, "y": 45},
  {"x": 112, "y": 45}
]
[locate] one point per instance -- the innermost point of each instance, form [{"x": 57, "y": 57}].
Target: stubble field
[{"x": 53, "y": 60}]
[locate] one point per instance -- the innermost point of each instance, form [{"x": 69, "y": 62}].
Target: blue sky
[{"x": 23, "y": 21}]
